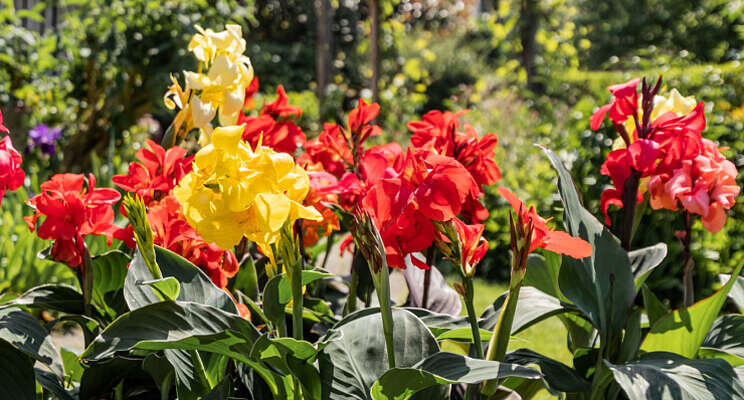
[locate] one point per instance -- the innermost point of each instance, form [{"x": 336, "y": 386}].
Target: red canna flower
[
  {"x": 403, "y": 230},
  {"x": 429, "y": 188},
  {"x": 11, "y": 174},
  {"x": 359, "y": 120},
  {"x": 439, "y": 133},
  {"x": 538, "y": 234},
  {"x": 328, "y": 152},
  {"x": 472, "y": 245},
  {"x": 275, "y": 126},
  {"x": 323, "y": 189},
  {"x": 445, "y": 187},
  {"x": 157, "y": 173},
  {"x": 436, "y": 131},
  {"x": 250, "y": 91},
  {"x": 72, "y": 212},
  {"x": 623, "y": 105}
]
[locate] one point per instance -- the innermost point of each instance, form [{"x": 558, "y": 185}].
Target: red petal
[{"x": 563, "y": 243}]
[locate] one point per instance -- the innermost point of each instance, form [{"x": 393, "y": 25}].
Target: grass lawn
[{"x": 547, "y": 337}]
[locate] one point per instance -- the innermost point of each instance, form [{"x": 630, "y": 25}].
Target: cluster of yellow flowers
[
  {"x": 221, "y": 90},
  {"x": 235, "y": 191}
]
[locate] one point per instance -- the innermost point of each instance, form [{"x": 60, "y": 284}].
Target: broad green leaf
[
  {"x": 542, "y": 273},
  {"x": 291, "y": 357},
  {"x": 726, "y": 335},
  {"x": 464, "y": 335},
  {"x": 109, "y": 274},
  {"x": 191, "y": 382},
  {"x": 437, "y": 323},
  {"x": 167, "y": 288},
  {"x": 443, "y": 369},
  {"x": 643, "y": 261},
  {"x": 24, "y": 332},
  {"x": 655, "y": 309},
  {"x": 175, "y": 325},
  {"x": 737, "y": 291},
  {"x": 73, "y": 369},
  {"x": 55, "y": 297},
  {"x": 684, "y": 330},
  {"x": 100, "y": 377},
  {"x": 581, "y": 332},
  {"x": 161, "y": 372},
  {"x": 51, "y": 383},
  {"x": 632, "y": 338},
  {"x": 533, "y": 306},
  {"x": 355, "y": 355},
  {"x": 277, "y": 293},
  {"x": 16, "y": 374},
  {"x": 556, "y": 375},
  {"x": 662, "y": 375},
  {"x": 195, "y": 285},
  {"x": 600, "y": 285}
]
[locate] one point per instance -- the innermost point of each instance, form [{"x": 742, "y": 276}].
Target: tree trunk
[
  {"x": 374, "y": 47},
  {"x": 323, "y": 46},
  {"x": 528, "y": 21}
]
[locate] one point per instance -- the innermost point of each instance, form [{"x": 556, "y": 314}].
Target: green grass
[{"x": 547, "y": 337}]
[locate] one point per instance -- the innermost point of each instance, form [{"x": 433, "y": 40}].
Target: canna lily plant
[{"x": 225, "y": 250}]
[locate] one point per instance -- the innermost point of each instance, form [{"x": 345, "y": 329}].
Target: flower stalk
[
  {"x": 290, "y": 255},
  {"x": 689, "y": 262},
  {"x": 85, "y": 275},
  {"x": 367, "y": 239}
]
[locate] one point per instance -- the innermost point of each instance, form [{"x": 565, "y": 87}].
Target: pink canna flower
[{"x": 704, "y": 185}]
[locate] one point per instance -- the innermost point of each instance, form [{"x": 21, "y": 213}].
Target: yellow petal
[
  {"x": 233, "y": 104},
  {"x": 303, "y": 212},
  {"x": 227, "y": 137},
  {"x": 195, "y": 81},
  {"x": 272, "y": 210},
  {"x": 223, "y": 71},
  {"x": 201, "y": 113}
]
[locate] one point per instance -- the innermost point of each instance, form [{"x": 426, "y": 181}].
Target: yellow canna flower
[
  {"x": 221, "y": 90},
  {"x": 207, "y": 43},
  {"x": 235, "y": 191}
]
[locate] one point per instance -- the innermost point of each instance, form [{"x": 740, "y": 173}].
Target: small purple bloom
[{"x": 44, "y": 137}]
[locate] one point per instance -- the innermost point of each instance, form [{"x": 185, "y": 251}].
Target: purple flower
[{"x": 44, "y": 137}]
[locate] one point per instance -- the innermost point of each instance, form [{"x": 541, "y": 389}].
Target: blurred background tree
[{"x": 530, "y": 70}]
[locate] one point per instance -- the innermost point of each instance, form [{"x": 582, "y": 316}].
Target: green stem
[
  {"x": 467, "y": 282},
  {"x": 86, "y": 281},
  {"x": 382, "y": 286},
  {"x": 502, "y": 331},
  {"x": 166, "y": 387},
  {"x": 351, "y": 300},
  {"x": 251, "y": 280},
  {"x": 294, "y": 273},
  {"x": 119, "y": 391},
  {"x": 601, "y": 377}
]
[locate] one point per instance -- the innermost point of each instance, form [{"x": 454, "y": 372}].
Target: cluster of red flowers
[
  {"x": 11, "y": 174},
  {"x": 275, "y": 125},
  {"x": 682, "y": 168},
  {"x": 437, "y": 180},
  {"x": 71, "y": 211},
  {"x": 153, "y": 178}
]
